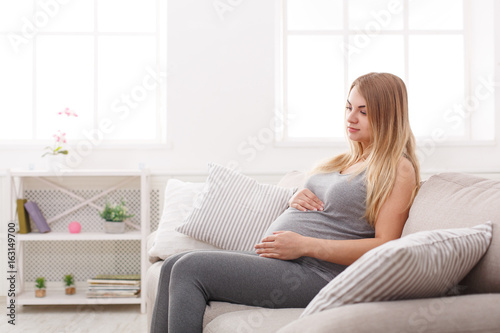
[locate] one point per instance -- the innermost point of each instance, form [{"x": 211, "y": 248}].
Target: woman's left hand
[{"x": 284, "y": 245}]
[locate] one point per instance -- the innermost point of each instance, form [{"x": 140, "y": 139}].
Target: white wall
[{"x": 221, "y": 93}]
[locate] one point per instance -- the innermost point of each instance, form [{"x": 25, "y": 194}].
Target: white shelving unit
[{"x": 16, "y": 182}]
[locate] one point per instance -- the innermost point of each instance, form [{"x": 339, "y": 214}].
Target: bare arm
[{"x": 389, "y": 225}]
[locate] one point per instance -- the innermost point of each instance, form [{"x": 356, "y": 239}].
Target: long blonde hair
[{"x": 387, "y": 109}]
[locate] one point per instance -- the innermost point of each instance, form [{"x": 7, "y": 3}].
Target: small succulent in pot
[
  {"x": 69, "y": 282},
  {"x": 40, "y": 287}
]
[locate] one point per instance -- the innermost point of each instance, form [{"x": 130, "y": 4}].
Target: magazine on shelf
[
  {"x": 96, "y": 294},
  {"x": 112, "y": 287},
  {"x": 105, "y": 285},
  {"x": 117, "y": 282},
  {"x": 118, "y": 277}
]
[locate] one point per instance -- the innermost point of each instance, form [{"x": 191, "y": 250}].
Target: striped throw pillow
[
  {"x": 233, "y": 211},
  {"x": 420, "y": 265}
]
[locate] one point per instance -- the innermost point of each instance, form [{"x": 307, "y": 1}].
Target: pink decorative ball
[{"x": 74, "y": 227}]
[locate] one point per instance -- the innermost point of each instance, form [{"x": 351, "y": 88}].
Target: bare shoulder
[
  {"x": 394, "y": 211},
  {"x": 406, "y": 173}
]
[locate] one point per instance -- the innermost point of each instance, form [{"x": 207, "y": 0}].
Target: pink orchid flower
[
  {"x": 61, "y": 137},
  {"x": 68, "y": 112}
]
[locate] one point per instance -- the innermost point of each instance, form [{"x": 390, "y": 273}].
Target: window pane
[
  {"x": 314, "y": 14},
  {"x": 67, "y": 16},
  {"x": 64, "y": 78},
  {"x": 482, "y": 68},
  {"x": 13, "y": 14},
  {"x": 374, "y": 15},
  {"x": 127, "y": 15},
  {"x": 381, "y": 54},
  {"x": 480, "y": 105},
  {"x": 436, "y": 85},
  {"x": 436, "y": 14},
  {"x": 315, "y": 82},
  {"x": 127, "y": 89},
  {"x": 16, "y": 98},
  {"x": 162, "y": 54}
]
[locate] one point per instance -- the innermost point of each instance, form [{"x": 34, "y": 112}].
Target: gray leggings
[{"x": 188, "y": 281}]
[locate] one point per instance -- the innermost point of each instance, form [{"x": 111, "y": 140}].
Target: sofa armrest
[{"x": 470, "y": 313}]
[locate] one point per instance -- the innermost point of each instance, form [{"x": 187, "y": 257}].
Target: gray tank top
[{"x": 344, "y": 197}]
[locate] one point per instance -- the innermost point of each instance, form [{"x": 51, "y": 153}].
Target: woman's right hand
[{"x": 306, "y": 200}]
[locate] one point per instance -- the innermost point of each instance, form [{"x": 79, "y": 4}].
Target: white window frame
[
  {"x": 281, "y": 37},
  {"x": 163, "y": 140}
]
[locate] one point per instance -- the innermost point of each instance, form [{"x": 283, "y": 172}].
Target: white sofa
[{"x": 448, "y": 200}]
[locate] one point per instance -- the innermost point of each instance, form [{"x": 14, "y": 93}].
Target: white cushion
[
  {"x": 178, "y": 203},
  {"x": 423, "y": 264},
  {"x": 233, "y": 211}
]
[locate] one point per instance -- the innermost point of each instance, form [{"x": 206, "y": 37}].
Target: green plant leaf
[
  {"x": 40, "y": 283},
  {"x": 115, "y": 213},
  {"x": 69, "y": 280}
]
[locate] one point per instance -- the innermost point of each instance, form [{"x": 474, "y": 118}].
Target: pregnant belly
[{"x": 309, "y": 224}]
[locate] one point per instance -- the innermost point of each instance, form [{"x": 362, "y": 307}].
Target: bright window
[
  {"x": 103, "y": 59},
  {"x": 442, "y": 49}
]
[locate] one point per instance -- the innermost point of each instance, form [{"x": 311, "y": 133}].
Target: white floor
[{"x": 74, "y": 318}]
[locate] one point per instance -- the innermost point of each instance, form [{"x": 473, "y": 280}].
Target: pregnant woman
[{"x": 350, "y": 205}]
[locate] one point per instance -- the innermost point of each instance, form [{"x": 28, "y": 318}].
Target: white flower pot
[
  {"x": 55, "y": 163},
  {"x": 114, "y": 227}
]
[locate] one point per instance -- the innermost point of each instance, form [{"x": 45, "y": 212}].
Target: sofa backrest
[
  {"x": 293, "y": 179},
  {"x": 456, "y": 200}
]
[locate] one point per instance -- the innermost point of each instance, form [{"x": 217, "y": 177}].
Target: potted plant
[
  {"x": 114, "y": 216},
  {"x": 69, "y": 281},
  {"x": 40, "y": 287}
]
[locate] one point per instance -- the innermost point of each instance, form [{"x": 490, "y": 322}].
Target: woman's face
[{"x": 358, "y": 127}]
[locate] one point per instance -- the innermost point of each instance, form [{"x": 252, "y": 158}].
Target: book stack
[{"x": 104, "y": 286}]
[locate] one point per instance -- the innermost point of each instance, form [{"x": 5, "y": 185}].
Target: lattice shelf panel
[
  {"x": 83, "y": 259},
  {"x": 53, "y": 202},
  {"x": 154, "y": 211}
]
